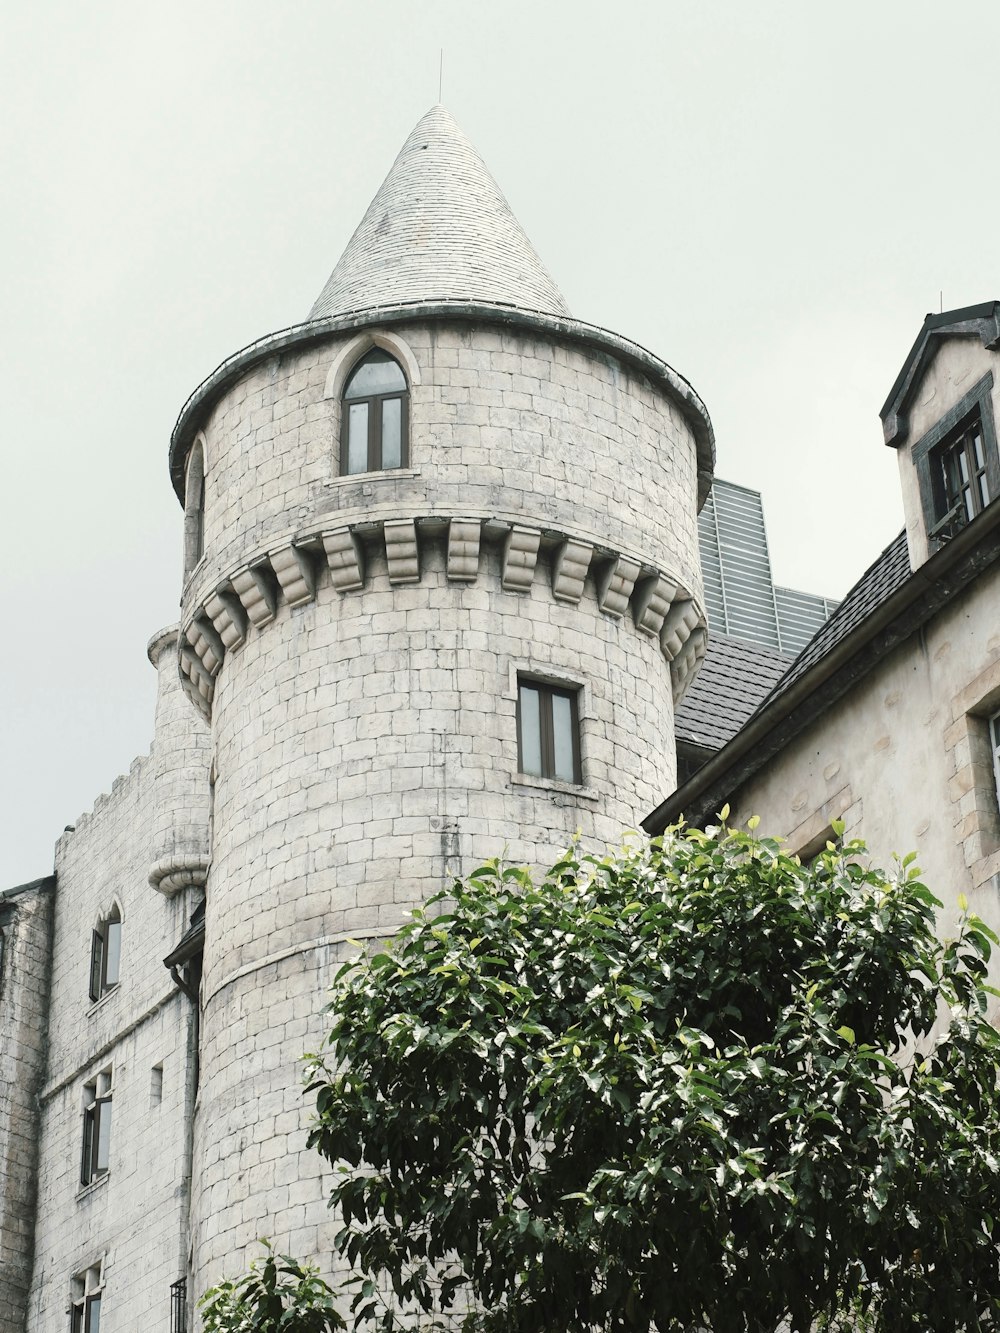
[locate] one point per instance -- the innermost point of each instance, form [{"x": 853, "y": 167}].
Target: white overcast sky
[{"x": 768, "y": 195}]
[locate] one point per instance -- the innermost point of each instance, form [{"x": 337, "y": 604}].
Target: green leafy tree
[
  {"x": 695, "y": 1085},
  {"x": 277, "y": 1295}
]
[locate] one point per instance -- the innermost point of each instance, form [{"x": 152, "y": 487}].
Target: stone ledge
[{"x": 172, "y": 873}]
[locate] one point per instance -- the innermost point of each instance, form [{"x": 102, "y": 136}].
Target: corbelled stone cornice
[{"x": 247, "y": 598}]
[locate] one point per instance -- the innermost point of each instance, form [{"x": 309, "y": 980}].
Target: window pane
[
  {"x": 562, "y": 736},
  {"x": 113, "y": 945},
  {"x": 377, "y": 373},
  {"x": 357, "y": 438},
  {"x": 94, "y": 1314},
  {"x": 87, "y": 1167},
  {"x": 96, "y": 960},
  {"x": 977, "y": 444},
  {"x": 531, "y": 731},
  {"x": 392, "y": 432},
  {"x": 103, "y": 1134}
]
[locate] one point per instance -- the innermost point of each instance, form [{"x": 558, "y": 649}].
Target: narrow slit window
[
  {"x": 548, "y": 731},
  {"x": 374, "y": 416}
]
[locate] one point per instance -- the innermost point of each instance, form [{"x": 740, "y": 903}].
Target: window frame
[
  {"x": 950, "y": 500},
  {"x": 97, "y": 1121},
  {"x": 547, "y": 690},
  {"x": 993, "y": 737},
  {"x": 100, "y": 984},
  {"x": 931, "y": 450},
  {"x": 374, "y": 404},
  {"x": 87, "y": 1294}
]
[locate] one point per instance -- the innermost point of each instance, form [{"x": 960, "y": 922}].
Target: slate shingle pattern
[
  {"x": 439, "y": 229},
  {"x": 734, "y": 678},
  {"x": 879, "y": 581}
]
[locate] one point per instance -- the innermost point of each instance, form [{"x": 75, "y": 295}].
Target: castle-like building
[{"x": 443, "y": 596}]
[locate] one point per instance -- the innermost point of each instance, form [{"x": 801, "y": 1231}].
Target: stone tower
[{"x": 442, "y": 592}]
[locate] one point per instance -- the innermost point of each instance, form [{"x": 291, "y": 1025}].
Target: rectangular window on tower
[{"x": 548, "y": 731}]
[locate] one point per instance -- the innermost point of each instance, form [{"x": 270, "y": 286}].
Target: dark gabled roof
[
  {"x": 887, "y": 605},
  {"x": 982, "y": 321},
  {"x": 733, "y": 679},
  {"x": 879, "y": 581}
]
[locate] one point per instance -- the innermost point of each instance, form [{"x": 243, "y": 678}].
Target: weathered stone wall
[
  {"x": 25, "y": 927},
  {"x": 904, "y": 760},
  {"x": 365, "y": 724},
  {"x": 134, "y": 1218}
]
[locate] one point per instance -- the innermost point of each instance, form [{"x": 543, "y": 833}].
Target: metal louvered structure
[{"x": 740, "y": 597}]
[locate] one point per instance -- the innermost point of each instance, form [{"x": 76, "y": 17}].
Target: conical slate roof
[{"x": 439, "y": 229}]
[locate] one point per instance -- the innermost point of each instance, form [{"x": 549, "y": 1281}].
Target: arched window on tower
[
  {"x": 194, "y": 508},
  {"x": 374, "y": 416}
]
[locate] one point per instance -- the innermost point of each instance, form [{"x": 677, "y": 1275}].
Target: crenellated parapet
[{"x": 531, "y": 559}]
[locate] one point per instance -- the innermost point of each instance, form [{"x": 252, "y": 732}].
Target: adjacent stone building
[{"x": 442, "y": 596}]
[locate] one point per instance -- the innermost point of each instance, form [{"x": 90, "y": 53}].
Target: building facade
[
  {"x": 443, "y": 597},
  {"x": 442, "y": 594}
]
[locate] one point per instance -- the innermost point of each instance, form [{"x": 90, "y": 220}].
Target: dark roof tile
[
  {"x": 734, "y": 677},
  {"x": 889, "y": 572}
]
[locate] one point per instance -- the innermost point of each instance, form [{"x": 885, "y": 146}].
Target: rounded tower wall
[
  {"x": 358, "y": 643},
  {"x": 366, "y": 749},
  {"x": 504, "y": 422}
]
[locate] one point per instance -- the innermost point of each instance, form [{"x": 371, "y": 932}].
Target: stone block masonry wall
[
  {"x": 25, "y": 943},
  {"x": 133, "y": 1220},
  {"x": 501, "y": 422},
  {"x": 357, "y": 642}
]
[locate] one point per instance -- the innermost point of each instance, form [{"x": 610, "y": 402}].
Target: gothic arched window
[{"x": 374, "y": 416}]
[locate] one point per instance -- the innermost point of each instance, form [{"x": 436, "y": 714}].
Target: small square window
[{"x": 548, "y": 731}]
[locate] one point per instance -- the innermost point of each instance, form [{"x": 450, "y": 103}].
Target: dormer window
[
  {"x": 374, "y": 416},
  {"x": 962, "y": 490},
  {"x": 957, "y": 466}
]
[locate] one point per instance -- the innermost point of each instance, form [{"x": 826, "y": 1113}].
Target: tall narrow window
[
  {"x": 995, "y": 747},
  {"x": 374, "y": 416},
  {"x": 548, "y": 731},
  {"x": 96, "y": 1128},
  {"x": 105, "y": 955}
]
